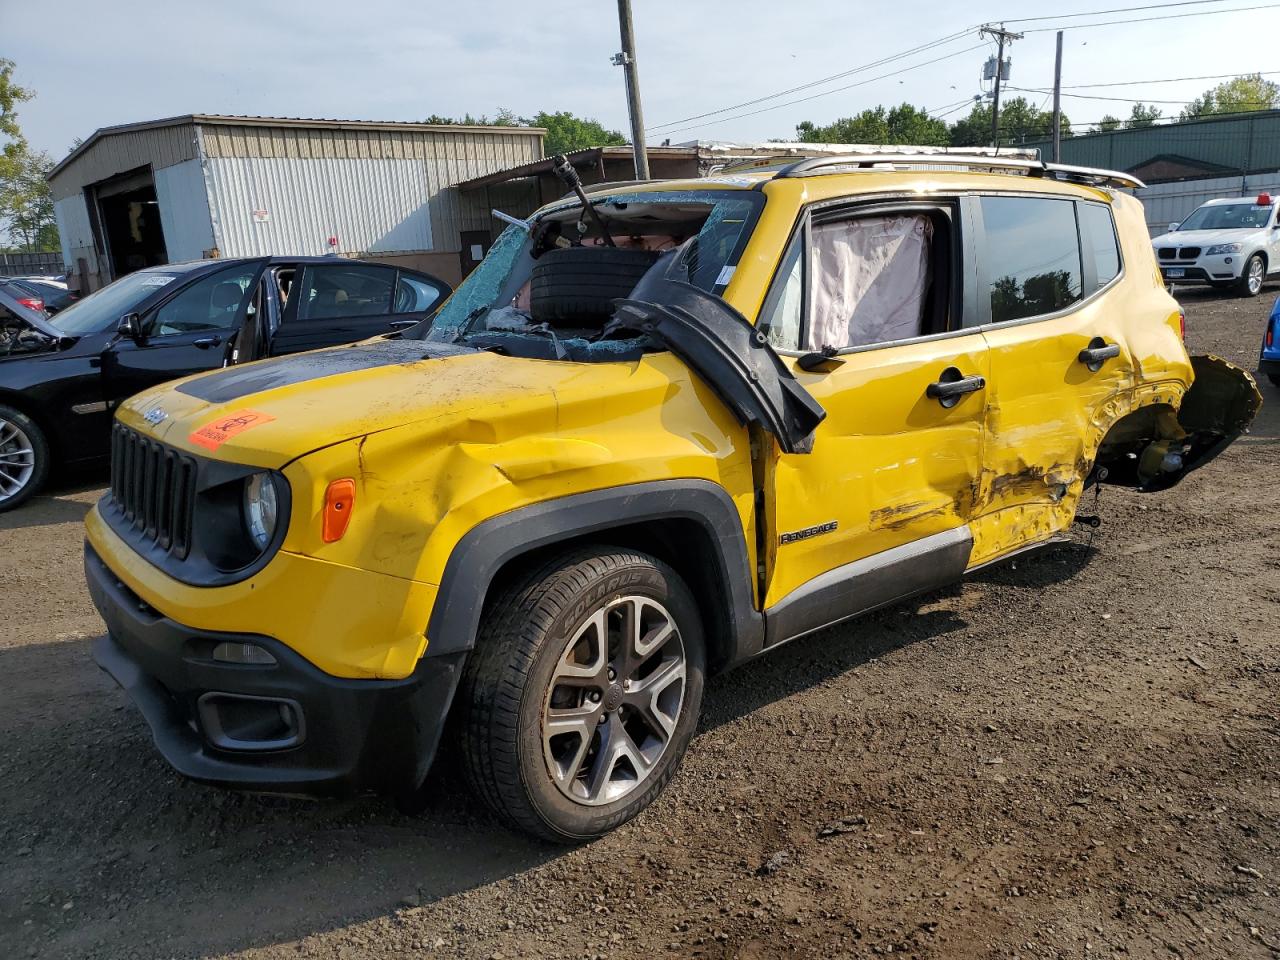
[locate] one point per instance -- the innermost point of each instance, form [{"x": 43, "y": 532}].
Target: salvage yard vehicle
[
  {"x": 661, "y": 429},
  {"x": 1231, "y": 244},
  {"x": 63, "y": 376},
  {"x": 1269, "y": 361}
]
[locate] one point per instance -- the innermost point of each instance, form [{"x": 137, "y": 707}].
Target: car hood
[
  {"x": 272, "y": 412},
  {"x": 1203, "y": 238}
]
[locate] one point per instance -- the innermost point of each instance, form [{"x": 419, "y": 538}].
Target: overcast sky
[{"x": 94, "y": 64}]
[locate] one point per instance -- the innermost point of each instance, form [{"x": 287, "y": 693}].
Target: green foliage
[
  {"x": 26, "y": 205},
  {"x": 1143, "y": 116},
  {"x": 565, "y": 132},
  {"x": 1020, "y": 122},
  {"x": 1239, "y": 95},
  {"x": 1108, "y": 122},
  {"x": 901, "y": 124}
]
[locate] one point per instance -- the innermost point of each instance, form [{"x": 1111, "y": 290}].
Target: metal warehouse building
[{"x": 201, "y": 186}]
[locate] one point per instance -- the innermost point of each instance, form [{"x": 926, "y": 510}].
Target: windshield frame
[
  {"x": 112, "y": 303},
  {"x": 1204, "y": 211}
]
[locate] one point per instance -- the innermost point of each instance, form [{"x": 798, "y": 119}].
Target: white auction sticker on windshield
[
  {"x": 726, "y": 274},
  {"x": 159, "y": 280}
]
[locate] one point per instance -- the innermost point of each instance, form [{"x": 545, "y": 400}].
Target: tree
[
  {"x": 1143, "y": 116},
  {"x": 901, "y": 124},
  {"x": 1020, "y": 122},
  {"x": 1239, "y": 95},
  {"x": 26, "y": 205},
  {"x": 566, "y": 133},
  {"x": 1107, "y": 123}
]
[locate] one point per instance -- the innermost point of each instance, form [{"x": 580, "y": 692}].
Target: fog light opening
[
  {"x": 249, "y": 653},
  {"x": 238, "y": 722}
]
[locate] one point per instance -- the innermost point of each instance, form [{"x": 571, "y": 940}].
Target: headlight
[
  {"x": 1223, "y": 248},
  {"x": 261, "y": 508}
]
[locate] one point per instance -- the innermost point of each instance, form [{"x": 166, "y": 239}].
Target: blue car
[{"x": 1269, "y": 362}]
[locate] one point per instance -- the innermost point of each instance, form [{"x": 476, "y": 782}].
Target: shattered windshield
[{"x": 555, "y": 280}]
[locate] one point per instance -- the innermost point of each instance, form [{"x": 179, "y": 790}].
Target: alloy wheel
[
  {"x": 1255, "y": 275},
  {"x": 17, "y": 459},
  {"x": 614, "y": 700}
]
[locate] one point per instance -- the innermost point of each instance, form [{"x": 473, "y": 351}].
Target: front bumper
[
  {"x": 1199, "y": 273},
  {"x": 312, "y": 733}
]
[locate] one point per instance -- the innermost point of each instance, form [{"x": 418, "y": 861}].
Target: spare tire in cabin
[{"x": 576, "y": 286}]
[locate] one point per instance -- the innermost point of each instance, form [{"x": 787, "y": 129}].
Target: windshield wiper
[{"x": 563, "y": 169}]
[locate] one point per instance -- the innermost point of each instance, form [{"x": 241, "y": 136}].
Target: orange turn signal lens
[{"x": 339, "y": 500}]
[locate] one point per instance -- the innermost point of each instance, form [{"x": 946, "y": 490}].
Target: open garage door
[{"x": 129, "y": 222}]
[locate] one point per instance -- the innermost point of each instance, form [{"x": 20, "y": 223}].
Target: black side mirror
[{"x": 130, "y": 326}]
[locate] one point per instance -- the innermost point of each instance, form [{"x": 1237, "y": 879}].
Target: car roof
[{"x": 1224, "y": 201}]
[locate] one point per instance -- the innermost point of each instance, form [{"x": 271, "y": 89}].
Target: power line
[
  {"x": 1103, "y": 13},
  {"x": 1171, "y": 16},
  {"x": 1094, "y": 96},
  {"x": 1138, "y": 83},
  {"x": 824, "y": 93},
  {"x": 815, "y": 83}
]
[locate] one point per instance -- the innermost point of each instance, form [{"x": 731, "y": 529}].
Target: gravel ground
[{"x": 1073, "y": 756}]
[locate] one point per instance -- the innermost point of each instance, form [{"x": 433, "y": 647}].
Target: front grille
[
  {"x": 1167, "y": 253},
  {"x": 154, "y": 488},
  {"x": 1189, "y": 253}
]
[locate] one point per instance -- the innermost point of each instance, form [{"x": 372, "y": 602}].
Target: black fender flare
[{"x": 487, "y": 547}]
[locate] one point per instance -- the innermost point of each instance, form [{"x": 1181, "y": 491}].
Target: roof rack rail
[{"x": 976, "y": 158}]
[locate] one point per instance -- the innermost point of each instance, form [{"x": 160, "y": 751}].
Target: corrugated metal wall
[
  {"x": 184, "y": 211},
  {"x": 377, "y": 190},
  {"x": 1166, "y": 203},
  {"x": 1249, "y": 142},
  {"x": 292, "y": 206},
  {"x": 117, "y": 153}
]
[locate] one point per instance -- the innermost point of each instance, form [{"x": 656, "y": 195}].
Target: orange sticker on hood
[{"x": 213, "y": 435}]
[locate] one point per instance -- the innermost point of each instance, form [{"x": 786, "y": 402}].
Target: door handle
[
  {"x": 952, "y": 385},
  {"x": 1097, "y": 353},
  {"x": 403, "y": 324},
  {"x": 204, "y": 343}
]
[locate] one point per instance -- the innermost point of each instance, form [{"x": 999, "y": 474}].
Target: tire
[
  {"x": 540, "y": 637},
  {"x": 576, "y": 286},
  {"x": 24, "y": 458},
  {"x": 1252, "y": 277}
]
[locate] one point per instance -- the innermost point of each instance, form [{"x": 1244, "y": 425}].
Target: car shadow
[
  {"x": 95, "y": 819},
  {"x": 44, "y": 511}
]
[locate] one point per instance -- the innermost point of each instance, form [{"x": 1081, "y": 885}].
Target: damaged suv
[{"x": 663, "y": 428}]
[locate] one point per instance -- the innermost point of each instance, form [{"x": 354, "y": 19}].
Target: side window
[
  {"x": 344, "y": 290},
  {"x": 213, "y": 303},
  {"x": 1098, "y": 233},
  {"x": 780, "y": 316},
  {"x": 869, "y": 280},
  {"x": 414, "y": 295},
  {"x": 1032, "y": 258}
]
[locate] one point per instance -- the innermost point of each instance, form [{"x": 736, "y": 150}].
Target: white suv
[{"x": 1225, "y": 243}]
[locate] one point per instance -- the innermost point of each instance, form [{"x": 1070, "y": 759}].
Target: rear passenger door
[
  {"x": 879, "y": 508},
  {"x": 1061, "y": 370},
  {"x": 341, "y": 302}
]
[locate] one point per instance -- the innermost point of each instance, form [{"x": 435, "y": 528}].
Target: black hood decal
[{"x": 232, "y": 383}]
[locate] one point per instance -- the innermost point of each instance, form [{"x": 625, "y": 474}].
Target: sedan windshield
[
  {"x": 1227, "y": 216},
  {"x": 102, "y": 310}
]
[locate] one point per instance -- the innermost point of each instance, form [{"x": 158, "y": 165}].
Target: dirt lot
[{"x": 1074, "y": 757}]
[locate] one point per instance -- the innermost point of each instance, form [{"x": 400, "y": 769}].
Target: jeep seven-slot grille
[{"x": 154, "y": 488}]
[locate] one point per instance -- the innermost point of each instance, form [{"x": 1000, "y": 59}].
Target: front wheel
[
  {"x": 583, "y": 692},
  {"x": 24, "y": 458},
  {"x": 1250, "y": 283}
]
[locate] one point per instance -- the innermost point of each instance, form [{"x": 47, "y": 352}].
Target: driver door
[{"x": 187, "y": 333}]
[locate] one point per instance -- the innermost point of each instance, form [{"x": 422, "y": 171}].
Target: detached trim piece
[{"x": 867, "y": 584}]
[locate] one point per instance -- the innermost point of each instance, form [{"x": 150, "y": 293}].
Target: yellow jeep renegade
[{"x": 661, "y": 429}]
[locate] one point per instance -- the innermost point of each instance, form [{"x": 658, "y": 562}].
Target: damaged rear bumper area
[
  {"x": 1154, "y": 448},
  {"x": 270, "y": 726}
]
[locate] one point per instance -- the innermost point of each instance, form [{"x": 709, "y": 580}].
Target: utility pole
[
  {"x": 1057, "y": 102},
  {"x": 1002, "y": 36},
  {"x": 627, "y": 60}
]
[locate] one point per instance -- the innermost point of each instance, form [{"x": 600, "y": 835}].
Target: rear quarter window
[{"x": 1098, "y": 238}]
